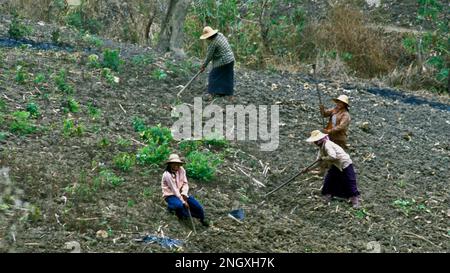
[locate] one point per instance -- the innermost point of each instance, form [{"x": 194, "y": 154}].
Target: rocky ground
[{"x": 399, "y": 145}]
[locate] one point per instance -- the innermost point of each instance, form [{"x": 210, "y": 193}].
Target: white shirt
[{"x": 334, "y": 154}]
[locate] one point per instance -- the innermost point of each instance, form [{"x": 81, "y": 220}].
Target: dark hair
[
  {"x": 212, "y": 37},
  {"x": 168, "y": 169}
]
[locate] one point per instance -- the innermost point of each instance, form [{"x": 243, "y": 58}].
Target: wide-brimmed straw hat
[
  {"x": 174, "y": 158},
  {"x": 208, "y": 32},
  {"x": 342, "y": 98},
  {"x": 316, "y": 135}
]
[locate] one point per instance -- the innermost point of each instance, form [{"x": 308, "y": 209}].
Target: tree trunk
[{"x": 171, "y": 35}]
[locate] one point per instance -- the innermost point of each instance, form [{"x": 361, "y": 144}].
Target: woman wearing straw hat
[
  {"x": 339, "y": 121},
  {"x": 340, "y": 179},
  {"x": 221, "y": 77},
  {"x": 175, "y": 191}
]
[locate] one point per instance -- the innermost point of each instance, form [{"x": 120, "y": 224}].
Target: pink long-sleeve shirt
[{"x": 175, "y": 184}]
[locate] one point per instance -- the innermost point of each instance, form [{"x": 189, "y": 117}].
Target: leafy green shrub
[
  {"x": 216, "y": 141},
  {"x": 111, "y": 59},
  {"x": 18, "y": 30},
  {"x": 158, "y": 134},
  {"x": 124, "y": 161},
  {"x": 188, "y": 146},
  {"x": 138, "y": 124},
  {"x": 33, "y": 109},
  {"x": 60, "y": 81},
  {"x": 153, "y": 153},
  {"x": 433, "y": 45},
  {"x": 21, "y": 123},
  {"x": 202, "y": 165}
]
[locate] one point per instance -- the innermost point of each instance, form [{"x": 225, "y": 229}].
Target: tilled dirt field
[{"x": 400, "y": 152}]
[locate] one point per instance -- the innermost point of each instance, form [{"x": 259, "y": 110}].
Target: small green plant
[
  {"x": 93, "y": 61},
  {"x": 153, "y": 153},
  {"x": 93, "y": 111},
  {"x": 131, "y": 203},
  {"x": 202, "y": 165},
  {"x": 346, "y": 56},
  {"x": 2, "y": 105},
  {"x": 159, "y": 74},
  {"x": 159, "y": 134},
  {"x": 407, "y": 206},
  {"x": 123, "y": 142},
  {"x": 401, "y": 183},
  {"x": 21, "y": 123},
  {"x": 39, "y": 79},
  {"x": 33, "y": 109},
  {"x": 18, "y": 30},
  {"x": 124, "y": 161},
  {"x": 138, "y": 124},
  {"x": 72, "y": 105},
  {"x": 147, "y": 192},
  {"x": 109, "y": 177},
  {"x": 24, "y": 46},
  {"x": 3, "y": 135},
  {"x": 111, "y": 59},
  {"x": 93, "y": 40},
  {"x": 182, "y": 68},
  {"x": 56, "y": 35},
  {"x": 21, "y": 75},
  {"x": 72, "y": 128},
  {"x": 109, "y": 76},
  {"x": 34, "y": 213},
  {"x": 143, "y": 59},
  {"x": 361, "y": 213},
  {"x": 61, "y": 82},
  {"x": 104, "y": 142}
]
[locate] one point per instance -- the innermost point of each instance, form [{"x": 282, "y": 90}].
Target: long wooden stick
[
  {"x": 189, "y": 83},
  {"x": 292, "y": 178},
  {"x": 318, "y": 93},
  {"x": 190, "y": 217}
]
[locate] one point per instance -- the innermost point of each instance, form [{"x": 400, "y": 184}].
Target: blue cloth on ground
[
  {"x": 163, "y": 241},
  {"x": 238, "y": 214}
]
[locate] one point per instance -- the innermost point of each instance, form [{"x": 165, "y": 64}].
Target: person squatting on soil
[
  {"x": 340, "y": 179},
  {"x": 338, "y": 122},
  {"x": 221, "y": 77},
  {"x": 175, "y": 191}
]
